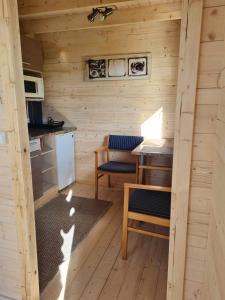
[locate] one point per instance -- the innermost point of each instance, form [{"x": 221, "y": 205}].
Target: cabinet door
[
  {"x": 32, "y": 54},
  {"x": 36, "y": 164}
]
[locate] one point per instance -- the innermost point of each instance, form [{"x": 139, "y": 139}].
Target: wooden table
[
  {"x": 149, "y": 150},
  {"x": 148, "y": 147}
]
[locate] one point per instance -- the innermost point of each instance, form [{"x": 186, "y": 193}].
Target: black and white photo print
[
  {"x": 97, "y": 68},
  {"x": 137, "y": 66}
]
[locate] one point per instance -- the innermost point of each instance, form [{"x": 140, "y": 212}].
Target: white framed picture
[
  {"x": 97, "y": 68},
  {"x": 119, "y": 67},
  {"x": 137, "y": 66}
]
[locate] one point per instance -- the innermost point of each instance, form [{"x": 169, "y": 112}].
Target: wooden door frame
[
  {"x": 185, "y": 114},
  {"x": 190, "y": 36},
  {"x": 13, "y": 97}
]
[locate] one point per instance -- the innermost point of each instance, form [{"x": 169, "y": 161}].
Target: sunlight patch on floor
[
  {"x": 66, "y": 250},
  {"x": 69, "y": 196}
]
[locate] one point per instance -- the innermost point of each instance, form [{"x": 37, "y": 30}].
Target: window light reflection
[{"x": 152, "y": 127}]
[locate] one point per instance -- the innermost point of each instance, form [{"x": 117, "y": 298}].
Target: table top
[{"x": 153, "y": 146}]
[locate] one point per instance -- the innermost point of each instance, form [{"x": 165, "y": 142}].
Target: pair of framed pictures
[{"x": 136, "y": 66}]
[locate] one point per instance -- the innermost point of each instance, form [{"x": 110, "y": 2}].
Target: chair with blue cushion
[
  {"x": 116, "y": 143},
  {"x": 145, "y": 203}
]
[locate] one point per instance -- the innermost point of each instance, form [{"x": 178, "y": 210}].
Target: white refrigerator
[{"x": 65, "y": 154}]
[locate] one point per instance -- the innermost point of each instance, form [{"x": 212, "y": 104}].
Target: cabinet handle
[{"x": 26, "y": 63}]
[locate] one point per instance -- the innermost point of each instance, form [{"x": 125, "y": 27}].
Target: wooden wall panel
[
  {"x": 180, "y": 266},
  {"x": 216, "y": 251},
  {"x": 116, "y": 107},
  {"x": 213, "y": 29},
  {"x": 72, "y": 20},
  {"x": 203, "y": 272},
  {"x": 10, "y": 284},
  {"x": 31, "y": 9}
]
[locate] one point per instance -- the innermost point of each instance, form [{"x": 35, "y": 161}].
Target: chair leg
[
  {"x": 124, "y": 238},
  {"x": 109, "y": 181},
  {"x": 137, "y": 170},
  {"x": 96, "y": 185},
  {"x": 125, "y": 223},
  {"x": 96, "y": 175},
  {"x": 137, "y": 176},
  {"x": 141, "y": 176}
]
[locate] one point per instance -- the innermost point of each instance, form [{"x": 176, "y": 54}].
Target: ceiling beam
[
  {"x": 161, "y": 12},
  {"x": 35, "y": 9}
]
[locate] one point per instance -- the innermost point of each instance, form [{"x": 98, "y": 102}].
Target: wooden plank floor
[{"x": 96, "y": 270}]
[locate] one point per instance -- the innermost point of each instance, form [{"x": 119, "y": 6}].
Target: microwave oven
[{"x": 34, "y": 88}]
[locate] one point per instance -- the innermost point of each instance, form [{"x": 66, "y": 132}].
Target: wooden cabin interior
[{"x": 112, "y": 149}]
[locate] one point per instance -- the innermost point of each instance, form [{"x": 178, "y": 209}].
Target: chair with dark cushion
[
  {"x": 145, "y": 203},
  {"x": 122, "y": 143}
]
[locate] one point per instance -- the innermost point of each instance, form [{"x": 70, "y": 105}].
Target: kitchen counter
[{"x": 35, "y": 133}]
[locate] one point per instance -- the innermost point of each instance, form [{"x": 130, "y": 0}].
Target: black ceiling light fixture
[
  {"x": 107, "y": 12},
  {"x": 101, "y": 12},
  {"x": 92, "y": 16}
]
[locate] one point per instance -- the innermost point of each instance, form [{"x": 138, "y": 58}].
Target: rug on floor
[{"x": 60, "y": 226}]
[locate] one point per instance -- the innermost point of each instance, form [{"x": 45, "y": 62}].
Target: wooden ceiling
[{"x": 43, "y": 16}]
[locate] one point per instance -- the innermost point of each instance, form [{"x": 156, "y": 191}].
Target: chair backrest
[{"x": 124, "y": 142}]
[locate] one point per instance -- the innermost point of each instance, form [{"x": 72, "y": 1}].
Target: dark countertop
[{"x": 35, "y": 133}]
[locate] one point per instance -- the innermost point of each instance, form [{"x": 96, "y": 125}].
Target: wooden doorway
[{"x": 18, "y": 141}]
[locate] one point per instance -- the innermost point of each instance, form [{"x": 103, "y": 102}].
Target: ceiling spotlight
[
  {"x": 102, "y": 12},
  {"x": 92, "y": 16},
  {"x": 107, "y": 12}
]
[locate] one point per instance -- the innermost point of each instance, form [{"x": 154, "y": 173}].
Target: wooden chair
[
  {"x": 110, "y": 167},
  {"x": 146, "y": 203}
]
